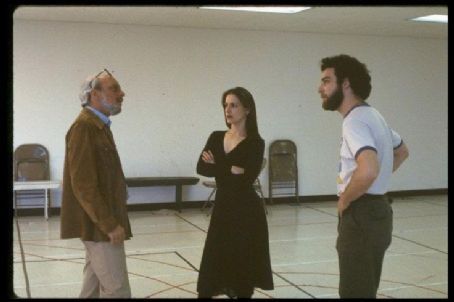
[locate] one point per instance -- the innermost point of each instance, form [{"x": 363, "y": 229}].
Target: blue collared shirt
[{"x": 101, "y": 115}]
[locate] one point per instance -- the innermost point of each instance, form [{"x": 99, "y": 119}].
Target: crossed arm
[{"x": 208, "y": 158}]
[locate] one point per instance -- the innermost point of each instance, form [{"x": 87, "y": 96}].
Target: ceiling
[{"x": 355, "y": 20}]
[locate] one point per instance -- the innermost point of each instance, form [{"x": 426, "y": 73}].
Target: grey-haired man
[{"x": 95, "y": 192}]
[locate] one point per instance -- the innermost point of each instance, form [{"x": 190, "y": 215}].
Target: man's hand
[
  {"x": 362, "y": 178},
  {"x": 117, "y": 236},
  {"x": 341, "y": 206}
]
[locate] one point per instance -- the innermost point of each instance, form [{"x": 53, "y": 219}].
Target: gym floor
[{"x": 164, "y": 255}]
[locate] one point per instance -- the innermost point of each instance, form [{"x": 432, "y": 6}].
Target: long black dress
[{"x": 236, "y": 254}]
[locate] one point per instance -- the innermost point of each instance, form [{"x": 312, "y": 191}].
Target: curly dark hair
[{"x": 347, "y": 67}]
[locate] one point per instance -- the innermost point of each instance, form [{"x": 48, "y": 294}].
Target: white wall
[{"x": 174, "y": 78}]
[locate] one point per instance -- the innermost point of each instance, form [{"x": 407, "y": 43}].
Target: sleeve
[
  {"x": 358, "y": 136},
  {"x": 207, "y": 169},
  {"x": 84, "y": 178},
  {"x": 252, "y": 165},
  {"x": 397, "y": 140}
]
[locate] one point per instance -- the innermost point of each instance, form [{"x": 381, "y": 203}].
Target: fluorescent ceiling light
[
  {"x": 433, "y": 18},
  {"x": 263, "y": 9}
]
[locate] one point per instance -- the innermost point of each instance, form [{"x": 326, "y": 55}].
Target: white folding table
[{"x": 45, "y": 185}]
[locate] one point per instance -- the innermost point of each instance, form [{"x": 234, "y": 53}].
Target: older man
[{"x": 94, "y": 190}]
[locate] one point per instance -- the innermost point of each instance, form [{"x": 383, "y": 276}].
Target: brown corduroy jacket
[{"x": 94, "y": 187}]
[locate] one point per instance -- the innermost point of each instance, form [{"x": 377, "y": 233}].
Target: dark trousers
[{"x": 365, "y": 231}]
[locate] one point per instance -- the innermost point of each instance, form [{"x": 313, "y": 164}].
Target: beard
[
  {"x": 113, "y": 109},
  {"x": 333, "y": 102}
]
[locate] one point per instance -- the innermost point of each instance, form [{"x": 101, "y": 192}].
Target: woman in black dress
[{"x": 236, "y": 256}]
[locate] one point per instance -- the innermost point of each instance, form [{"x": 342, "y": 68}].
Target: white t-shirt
[{"x": 365, "y": 128}]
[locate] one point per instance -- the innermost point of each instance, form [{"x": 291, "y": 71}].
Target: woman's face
[{"x": 234, "y": 111}]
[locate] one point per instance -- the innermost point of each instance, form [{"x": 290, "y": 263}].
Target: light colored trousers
[{"x": 105, "y": 271}]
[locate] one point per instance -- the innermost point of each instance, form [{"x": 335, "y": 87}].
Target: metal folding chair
[
  {"x": 283, "y": 169},
  {"x": 31, "y": 163}
]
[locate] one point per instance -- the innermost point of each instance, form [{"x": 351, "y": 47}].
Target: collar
[
  {"x": 101, "y": 115},
  {"x": 356, "y": 106}
]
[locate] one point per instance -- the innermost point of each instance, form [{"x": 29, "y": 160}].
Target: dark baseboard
[
  {"x": 199, "y": 204},
  {"x": 165, "y": 205},
  {"x": 405, "y": 193}
]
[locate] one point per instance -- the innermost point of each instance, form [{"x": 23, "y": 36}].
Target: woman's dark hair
[
  {"x": 247, "y": 101},
  {"x": 347, "y": 67}
]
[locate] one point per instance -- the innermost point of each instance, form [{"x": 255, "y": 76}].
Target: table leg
[
  {"x": 178, "y": 197},
  {"x": 45, "y": 205},
  {"x": 14, "y": 201}
]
